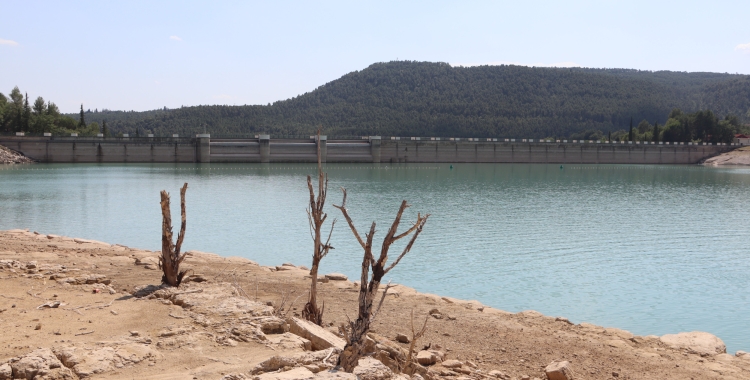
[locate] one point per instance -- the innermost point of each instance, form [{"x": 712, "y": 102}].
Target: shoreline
[{"x": 516, "y": 344}]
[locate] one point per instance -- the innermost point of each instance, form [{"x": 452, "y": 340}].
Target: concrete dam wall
[{"x": 203, "y": 148}]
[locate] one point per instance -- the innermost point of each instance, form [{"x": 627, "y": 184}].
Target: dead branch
[
  {"x": 170, "y": 259},
  {"x": 85, "y": 333},
  {"x": 356, "y": 332},
  {"x": 315, "y": 218},
  {"x": 410, "y": 367}
]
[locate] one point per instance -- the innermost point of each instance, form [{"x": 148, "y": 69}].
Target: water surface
[{"x": 651, "y": 249}]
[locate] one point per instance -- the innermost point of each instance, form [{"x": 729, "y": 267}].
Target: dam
[{"x": 372, "y": 149}]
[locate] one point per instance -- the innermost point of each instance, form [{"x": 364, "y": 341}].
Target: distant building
[{"x": 742, "y": 139}]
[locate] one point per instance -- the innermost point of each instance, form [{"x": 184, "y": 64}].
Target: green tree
[
  {"x": 26, "y": 121},
  {"x": 3, "y": 113},
  {"x": 630, "y": 133},
  {"x": 82, "y": 119},
  {"x": 655, "y": 133},
  {"x": 40, "y": 107},
  {"x": 644, "y": 126},
  {"x": 105, "y": 130}
]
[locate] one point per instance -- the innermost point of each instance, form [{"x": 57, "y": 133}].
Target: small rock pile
[{"x": 8, "y": 156}]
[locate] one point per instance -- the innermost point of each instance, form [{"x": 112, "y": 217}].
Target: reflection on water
[{"x": 651, "y": 249}]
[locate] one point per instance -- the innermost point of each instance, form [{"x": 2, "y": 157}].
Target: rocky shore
[
  {"x": 81, "y": 309},
  {"x": 740, "y": 156},
  {"x": 8, "y": 156}
]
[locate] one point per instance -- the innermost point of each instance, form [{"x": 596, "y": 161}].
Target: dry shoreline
[
  {"x": 101, "y": 329},
  {"x": 740, "y": 156}
]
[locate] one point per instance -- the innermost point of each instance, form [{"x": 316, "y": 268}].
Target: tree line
[
  {"x": 699, "y": 126},
  {"x": 17, "y": 115},
  {"x": 405, "y": 98}
]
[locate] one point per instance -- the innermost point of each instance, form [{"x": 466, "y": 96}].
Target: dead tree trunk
[
  {"x": 357, "y": 330},
  {"x": 316, "y": 217},
  {"x": 170, "y": 259}
]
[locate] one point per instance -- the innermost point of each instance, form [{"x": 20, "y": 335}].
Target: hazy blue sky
[{"x": 149, "y": 54}]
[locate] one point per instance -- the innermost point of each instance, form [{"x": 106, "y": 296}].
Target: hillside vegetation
[{"x": 436, "y": 99}]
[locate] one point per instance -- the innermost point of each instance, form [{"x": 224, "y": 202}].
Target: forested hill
[{"x": 436, "y": 99}]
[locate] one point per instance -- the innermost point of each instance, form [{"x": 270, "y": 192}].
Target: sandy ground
[
  {"x": 101, "y": 330},
  {"x": 740, "y": 156}
]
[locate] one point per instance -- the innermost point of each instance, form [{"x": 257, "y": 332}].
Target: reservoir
[{"x": 653, "y": 249}]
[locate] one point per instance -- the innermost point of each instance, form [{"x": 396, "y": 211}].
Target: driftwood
[
  {"x": 316, "y": 217},
  {"x": 356, "y": 332},
  {"x": 170, "y": 259}
]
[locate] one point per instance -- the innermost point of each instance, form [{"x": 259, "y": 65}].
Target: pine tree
[
  {"x": 26, "y": 114},
  {"x": 105, "y": 131},
  {"x": 630, "y": 134},
  {"x": 82, "y": 120},
  {"x": 656, "y": 132}
]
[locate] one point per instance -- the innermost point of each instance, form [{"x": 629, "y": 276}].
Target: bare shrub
[{"x": 368, "y": 287}]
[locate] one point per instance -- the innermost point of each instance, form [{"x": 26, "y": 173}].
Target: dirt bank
[
  {"x": 73, "y": 308},
  {"x": 740, "y": 156}
]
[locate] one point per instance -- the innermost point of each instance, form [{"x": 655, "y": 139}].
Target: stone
[
  {"x": 698, "y": 342},
  {"x": 452, "y": 363},
  {"x": 39, "y": 363},
  {"x": 248, "y": 333},
  {"x": 289, "y": 341},
  {"x": 336, "y": 277},
  {"x": 6, "y": 372},
  {"x": 401, "y": 338},
  {"x": 617, "y": 343},
  {"x": 271, "y": 324},
  {"x": 277, "y": 362},
  {"x": 88, "y": 362},
  {"x": 497, "y": 374},
  {"x": 371, "y": 369},
  {"x": 300, "y": 373},
  {"x": 426, "y": 358},
  {"x": 559, "y": 371},
  {"x": 319, "y": 337},
  {"x": 622, "y": 334}
]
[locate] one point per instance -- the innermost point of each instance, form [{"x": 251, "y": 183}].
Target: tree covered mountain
[{"x": 435, "y": 99}]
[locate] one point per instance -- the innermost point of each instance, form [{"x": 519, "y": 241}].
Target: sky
[{"x": 141, "y": 55}]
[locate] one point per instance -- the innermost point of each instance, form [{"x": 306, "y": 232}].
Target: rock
[
  {"x": 336, "y": 277},
  {"x": 471, "y": 364},
  {"x": 271, "y": 324},
  {"x": 698, "y": 342},
  {"x": 617, "y": 343},
  {"x": 742, "y": 354},
  {"x": 318, "y": 336},
  {"x": 41, "y": 363},
  {"x": 452, "y": 363},
  {"x": 248, "y": 333},
  {"x": 289, "y": 341},
  {"x": 371, "y": 369},
  {"x": 622, "y": 334},
  {"x": 401, "y": 338},
  {"x": 280, "y": 268},
  {"x": 88, "y": 362},
  {"x": 496, "y": 373},
  {"x": 563, "y": 319},
  {"x": 6, "y": 373},
  {"x": 559, "y": 371},
  {"x": 300, "y": 373},
  {"x": 426, "y": 358},
  {"x": 276, "y": 362}
]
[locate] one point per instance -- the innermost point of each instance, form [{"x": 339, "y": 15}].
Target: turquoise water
[{"x": 651, "y": 249}]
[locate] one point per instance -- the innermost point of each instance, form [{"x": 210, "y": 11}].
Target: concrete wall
[
  {"x": 558, "y": 153},
  {"x": 103, "y": 150},
  {"x": 264, "y": 149}
]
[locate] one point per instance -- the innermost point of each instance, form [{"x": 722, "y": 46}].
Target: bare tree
[
  {"x": 170, "y": 259},
  {"x": 357, "y": 331},
  {"x": 316, "y": 217}
]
